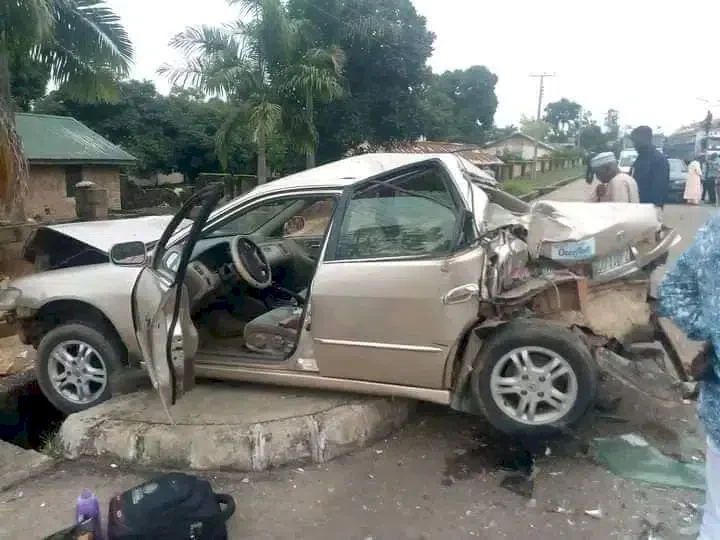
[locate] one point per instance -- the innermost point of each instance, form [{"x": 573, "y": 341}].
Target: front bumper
[{"x": 656, "y": 257}]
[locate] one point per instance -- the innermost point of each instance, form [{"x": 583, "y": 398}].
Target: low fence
[{"x": 520, "y": 169}]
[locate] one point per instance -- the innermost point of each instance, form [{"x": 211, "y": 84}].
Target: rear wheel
[
  {"x": 534, "y": 378},
  {"x": 73, "y": 365}
]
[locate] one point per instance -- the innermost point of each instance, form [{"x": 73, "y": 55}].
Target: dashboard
[{"x": 211, "y": 264}]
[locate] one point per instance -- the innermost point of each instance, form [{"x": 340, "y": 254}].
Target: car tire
[
  {"x": 559, "y": 383},
  {"x": 106, "y": 355}
]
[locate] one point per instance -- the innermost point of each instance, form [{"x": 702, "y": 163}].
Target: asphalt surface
[{"x": 443, "y": 476}]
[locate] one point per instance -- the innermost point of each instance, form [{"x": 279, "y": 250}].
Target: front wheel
[
  {"x": 73, "y": 366},
  {"x": 534, "y": 378}
]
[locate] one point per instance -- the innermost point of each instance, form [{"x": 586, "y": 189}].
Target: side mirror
[{"x": 128, "y": 254}]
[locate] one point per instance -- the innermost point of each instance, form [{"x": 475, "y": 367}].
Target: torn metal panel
[{"x": 566, "y": 231}]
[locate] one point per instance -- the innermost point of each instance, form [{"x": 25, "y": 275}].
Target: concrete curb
[
  {"x": 308, "y": 438},
  {"x": 550, "y": 187}
]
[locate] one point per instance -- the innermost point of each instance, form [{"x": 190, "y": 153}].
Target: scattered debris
[
  {"x": 631, "y": 457},
  {"x": 558, "y": 509},
  {"x": 597, "y": 513}
]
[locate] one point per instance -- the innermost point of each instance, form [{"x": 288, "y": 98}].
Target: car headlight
[{"x": 9, "y": 298}]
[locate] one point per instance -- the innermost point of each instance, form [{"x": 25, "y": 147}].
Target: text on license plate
[{"x": 612, "y": 261}]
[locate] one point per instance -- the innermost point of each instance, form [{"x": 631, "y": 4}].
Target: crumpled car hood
[
  {"x": 88, "y": 242},
  {"x": 605, "y": 227}
]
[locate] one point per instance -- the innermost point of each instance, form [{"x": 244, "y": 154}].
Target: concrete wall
[{"x": 47, "y": 192}]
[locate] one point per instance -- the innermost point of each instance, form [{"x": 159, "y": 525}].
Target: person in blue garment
[
  {"x": 690, "y": 296},
  {"x": 651, "y": 169}
]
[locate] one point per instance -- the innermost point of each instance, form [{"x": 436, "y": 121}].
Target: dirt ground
[
  {"x": 442, "y": 476},
  {"x": 14, "y": 356}
]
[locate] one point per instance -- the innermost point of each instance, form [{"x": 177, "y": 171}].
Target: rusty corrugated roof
[
  {"x": 48, "y": 138},
  {"x": 474, "y": 154}
]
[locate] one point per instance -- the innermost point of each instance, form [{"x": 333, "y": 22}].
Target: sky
[{"x": 653, "y": 64}]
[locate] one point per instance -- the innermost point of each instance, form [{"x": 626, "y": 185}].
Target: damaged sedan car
[{"x": 402, "y": 275}]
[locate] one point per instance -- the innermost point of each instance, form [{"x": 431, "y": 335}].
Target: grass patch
[
  {"x": 524, "y": 185},
  {"x": 52, "y": 445}
]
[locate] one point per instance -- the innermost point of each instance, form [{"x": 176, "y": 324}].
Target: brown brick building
[{"x": 61, "y": 152}]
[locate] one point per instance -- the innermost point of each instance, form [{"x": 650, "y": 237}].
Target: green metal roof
[{"x": 51, "y": 139}]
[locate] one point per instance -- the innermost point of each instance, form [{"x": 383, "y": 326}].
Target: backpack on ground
[{"x": 171, "y": 506}]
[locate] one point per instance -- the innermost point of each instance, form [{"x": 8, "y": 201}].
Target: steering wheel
[{"x": 250, "y": 262}]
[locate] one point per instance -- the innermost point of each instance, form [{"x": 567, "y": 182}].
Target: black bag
[{"x": 172, "y": 506}]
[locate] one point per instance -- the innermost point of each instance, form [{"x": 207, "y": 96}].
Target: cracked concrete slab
[{"x": 235, "y": 427}]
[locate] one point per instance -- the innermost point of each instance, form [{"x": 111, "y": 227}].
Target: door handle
[
  {"x": 463, "y": 293},
  {"x": 314, "y": 245}
]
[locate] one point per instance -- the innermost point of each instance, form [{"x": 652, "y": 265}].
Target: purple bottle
[{"x": 88, "y": 508}]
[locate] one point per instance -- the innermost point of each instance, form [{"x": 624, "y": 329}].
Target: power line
[{"x": 541, "y": 91}]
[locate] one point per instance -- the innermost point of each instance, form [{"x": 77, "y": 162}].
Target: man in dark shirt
[{"x": 651, "y": 169}]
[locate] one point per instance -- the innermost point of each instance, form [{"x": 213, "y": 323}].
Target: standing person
[
  {"x": 615, "y": 185},
  {"x": 589, "y": 175},
  {"x": 651, "y": 169},
  {"x": 709, "y": 178},
  {"x": 694, "y": 182},
  {"x": 690, "y": 297}
]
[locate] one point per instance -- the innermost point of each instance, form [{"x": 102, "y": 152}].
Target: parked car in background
[
  {"x": 678, "y": 177},
  {"x": 626, "y": 160},
  {"x": 402, "y": 275}
]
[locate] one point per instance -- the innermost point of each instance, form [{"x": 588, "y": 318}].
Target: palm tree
[
  {"x": 260, "y": 66},
  {"x": 314, "y": 73},
  {"x": 232, "y": 62},
  {"x": 83, "y": 46}
]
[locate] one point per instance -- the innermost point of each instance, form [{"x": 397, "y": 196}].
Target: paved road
[{"x": 440, "y": 477}]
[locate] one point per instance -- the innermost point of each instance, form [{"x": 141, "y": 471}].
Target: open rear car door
[{"x": 161, "y": 311}]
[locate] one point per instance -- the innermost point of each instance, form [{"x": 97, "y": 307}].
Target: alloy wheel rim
[
  {"x": 77, "y": 371},
  {"x": 534, "y": 386}
]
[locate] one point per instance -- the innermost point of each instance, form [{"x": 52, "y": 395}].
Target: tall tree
[
  {"x": 80, "y": 42},
  {"x": 564, "y": 117},
  {"x": 28, "y": 80},
  {"x": 166, "y": 133},
  {"x": 386, "y": 44},
  {"x": 269, "y": 68},
  {"x": 538, "y": 129},
  {"x": 310, "y": 74},
  {"x": 472, "y": 94}
]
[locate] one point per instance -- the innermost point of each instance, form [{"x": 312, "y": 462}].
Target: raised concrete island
[{"x": 239, "y": 427}]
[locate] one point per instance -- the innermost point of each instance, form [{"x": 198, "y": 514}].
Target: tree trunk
[
  {"x": 13, "y": 167},
  {"x": 261, "y": 161},
  {"x": 310, "y": 110}
]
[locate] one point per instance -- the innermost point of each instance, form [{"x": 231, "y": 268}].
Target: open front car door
[{"x": 161, "y": 310}]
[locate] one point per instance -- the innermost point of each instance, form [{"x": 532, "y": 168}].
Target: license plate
[
  {"x": 573, "y": 251},
  {"x": 612, "y": 261}
]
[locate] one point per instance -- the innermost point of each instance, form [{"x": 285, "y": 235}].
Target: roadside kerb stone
[{"x": 221, "y": 426}]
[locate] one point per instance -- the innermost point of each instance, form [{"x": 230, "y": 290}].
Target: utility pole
[{"x": 541, "y": 76}]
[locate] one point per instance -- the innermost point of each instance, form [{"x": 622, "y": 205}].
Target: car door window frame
[
  {"x": 334, "y": 194},
  {"x": 387, "y": 178}
]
